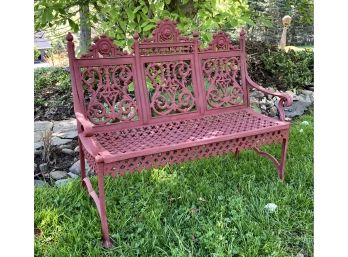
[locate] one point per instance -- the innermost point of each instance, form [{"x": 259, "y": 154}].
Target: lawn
[{"x": 212, "y": 207}]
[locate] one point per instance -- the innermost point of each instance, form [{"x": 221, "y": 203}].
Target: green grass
[{"x": 213, "y": 207}]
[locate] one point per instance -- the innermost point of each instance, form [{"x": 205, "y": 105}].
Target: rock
[
  {"x": 76, "y": 169},
  {"x": 61, "y": 147},
  {"x": 269, "y": 103},
  {"x": 39, "y": 128},
  {"x": 263, "y": 107},
  {"x": 60, "y": 141},
  {"x": 58, "y": 174},
  {"x": 309, "y": 94},
  {"x": 72, "y": 175},
  {"x": 269, "y": 97},
  {"x": 68, "y": 151},
  {"x": 65, "y": 129},
  {"x": 77, "y": 149},
  {"x": 63, "y": 182},
  {"x": 257, "y": 94},
  {"x": 39, "y": 183},
  {"x": 37, "y": 152},
  {"x": 273, "y": 111},
  {"x": 297, "y": 108},
  {"x": 43, "y": 167},
  {"x": 35, "y": 166}
]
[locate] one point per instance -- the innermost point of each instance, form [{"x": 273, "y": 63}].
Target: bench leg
[
  {"x": 104, "y": 223},
  {"x": 279, "y": 165},
  {"x": 281, "y": 168},
  {"x": 82, "y": 164},
  {"x": 237, "y": 154}
]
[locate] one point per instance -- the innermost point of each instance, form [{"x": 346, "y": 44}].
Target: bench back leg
[
  {"x": 104, "y": 223},
  {"x": 82, "y": 163},
  {"x": 281, "y": 169}
]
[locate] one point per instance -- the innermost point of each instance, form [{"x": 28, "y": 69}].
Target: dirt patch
[
  {"x": 58, "y": 161},
  {"x": 57, "y": 105}
]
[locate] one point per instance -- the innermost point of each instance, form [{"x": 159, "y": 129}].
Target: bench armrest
[
  {"x": 86, "y": 126},
  {"x": 285, "y": 99}
]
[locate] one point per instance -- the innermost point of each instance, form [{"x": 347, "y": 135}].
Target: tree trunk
[{"x": 85, "y": 28}]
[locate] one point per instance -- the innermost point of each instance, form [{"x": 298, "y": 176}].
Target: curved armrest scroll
[
  {"x": 86, "y": 125},
  {"x": 285, "y": 99}
]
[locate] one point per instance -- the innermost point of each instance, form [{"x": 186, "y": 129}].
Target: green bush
[
  {"x": 276, "y": 68},
  {"x": 51, "y": 81},
  {"x": 36, "y": 53},
  {"x": 57, "y": 77}
]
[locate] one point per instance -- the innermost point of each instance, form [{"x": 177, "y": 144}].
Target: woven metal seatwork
[{"x": 202, "y": 137}]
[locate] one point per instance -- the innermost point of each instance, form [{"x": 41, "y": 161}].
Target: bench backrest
[{"x": 165, "y": 77}]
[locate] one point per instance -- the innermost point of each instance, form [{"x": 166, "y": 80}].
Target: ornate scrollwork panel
[
  {"x": 223, "y": 82},
  {"x": 109, "y": 93},
  {"x": 170, "y": 87}
]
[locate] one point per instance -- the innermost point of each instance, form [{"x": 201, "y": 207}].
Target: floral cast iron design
[
  {"x": 223, "y": 77},
  {"x": 107, "y": 93},
  {"x": 170, "y": 81}
]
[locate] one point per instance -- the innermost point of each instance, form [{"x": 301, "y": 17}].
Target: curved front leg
[{"x": 280, "y": 165}]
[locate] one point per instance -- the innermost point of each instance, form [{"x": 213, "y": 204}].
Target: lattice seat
[
  {"x": 168, "y": 101},
  {"x": 128, "y": 143}
]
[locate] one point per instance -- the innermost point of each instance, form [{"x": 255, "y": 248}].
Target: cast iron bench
[{"x": 168, "y": 101}]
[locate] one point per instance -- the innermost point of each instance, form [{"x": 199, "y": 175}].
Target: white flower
[
  {"x": 270, "y": 207},
  {"x": 301, "y": 130},
  {"x": 305, "y": 123}
]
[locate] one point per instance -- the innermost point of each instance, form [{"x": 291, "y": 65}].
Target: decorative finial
[
  {"x": 286, "y": 21},
  {"x": 69, "y": 37},
  {"x": 136, "y": 36}
]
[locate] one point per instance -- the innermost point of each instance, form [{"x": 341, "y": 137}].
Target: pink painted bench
[{"x": 168, "y": 101}]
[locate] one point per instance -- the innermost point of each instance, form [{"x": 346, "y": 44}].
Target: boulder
[
  {"x": 63, "y": 182},
  {"x": 76, "y": 169},
  {"x": 65, "y": 129},
  {"x": 68, "y": 151},
  {"x": 39, "y": 183},
  {"x": 58, "y": 174},
  {"x": 43, "y": 167}
]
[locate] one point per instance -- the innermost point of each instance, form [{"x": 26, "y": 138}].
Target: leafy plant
[
  {"x": 36, "y": 53},
  {"x": 51, "y": 81},
  {"x": 270, "y": 66}
]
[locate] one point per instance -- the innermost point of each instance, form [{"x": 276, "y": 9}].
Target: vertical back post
[
  {"x": 197, "y": 67},
  {"x": 243, "y": 65},
  {"x": 74, "y": 73},
  {"x": 140, "y": 80}
]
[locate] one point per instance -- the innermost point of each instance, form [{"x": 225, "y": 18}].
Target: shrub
[
  {"x": 52, "y": 89},
  {"x": 57, "y": 77},
  {"x": 36, "y": 53},
  {"x": 270, "y": 66}
]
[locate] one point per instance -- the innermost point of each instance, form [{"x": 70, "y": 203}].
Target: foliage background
[{"x": 120, "y": 19}]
